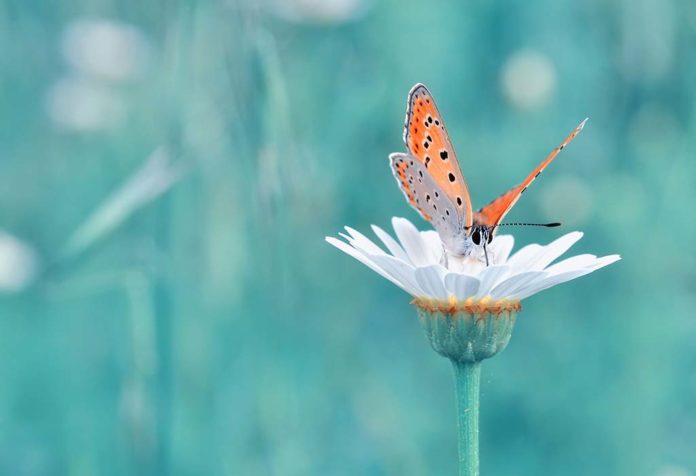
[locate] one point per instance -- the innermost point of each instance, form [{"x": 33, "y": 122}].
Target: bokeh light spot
[{"x": 528, "y": 79}]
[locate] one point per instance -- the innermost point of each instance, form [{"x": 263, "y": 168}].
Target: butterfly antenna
[{"x": 547, "y": 225}]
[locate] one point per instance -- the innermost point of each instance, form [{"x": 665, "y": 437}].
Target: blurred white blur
[
  {"x": 318, "y": 11},
  {"x": 83, "y": 104},
  {"x": 528, "y": 79},
  {"x": 99, "y": 54},
  {"x": 18, "y": 263},
  {"x": 673, "y": 470},
  {"x": 105, "y": 49}
]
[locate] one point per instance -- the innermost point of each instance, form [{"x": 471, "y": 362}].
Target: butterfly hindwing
[
  {"x": 493, "y": 213},
  {"x": 426, "y": 196},
  {"x": 427, "y": 140}
]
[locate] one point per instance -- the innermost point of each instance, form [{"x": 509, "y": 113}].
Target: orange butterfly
[{"x": 430, "y": 177}]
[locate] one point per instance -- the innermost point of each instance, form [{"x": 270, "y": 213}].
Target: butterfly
[{"x": 430, "y": 177}]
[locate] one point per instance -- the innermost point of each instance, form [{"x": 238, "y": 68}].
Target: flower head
[{"x": 418, "y": 265}]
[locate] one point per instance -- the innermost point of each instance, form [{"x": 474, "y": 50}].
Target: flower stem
[{"x": 467, "y": 377}]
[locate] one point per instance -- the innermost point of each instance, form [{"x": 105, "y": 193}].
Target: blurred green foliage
[{"x": 168, "y": 171}]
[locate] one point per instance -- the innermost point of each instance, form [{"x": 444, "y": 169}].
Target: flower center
[{"x": 486, "y": 305}]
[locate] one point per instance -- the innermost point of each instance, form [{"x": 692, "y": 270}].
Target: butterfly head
[
  {"x": 468, "y": 248},
  {"x": 469, "y": 243},
  {"x": 481, "y": 235}
]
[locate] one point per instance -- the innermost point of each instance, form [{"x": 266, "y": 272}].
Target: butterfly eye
[{"x": 476, "y": 237}]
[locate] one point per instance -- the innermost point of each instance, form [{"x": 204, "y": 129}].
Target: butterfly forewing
[
  {"x": 427, "y": 140},
  {"x": 493, "y": 213},
  {"x": 426, "y": 196}
]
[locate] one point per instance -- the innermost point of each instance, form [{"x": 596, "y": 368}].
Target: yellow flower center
[{"x": 485, "y": 305}]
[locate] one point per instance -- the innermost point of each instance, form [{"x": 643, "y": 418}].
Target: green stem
[{"x": 467, "y": 377}]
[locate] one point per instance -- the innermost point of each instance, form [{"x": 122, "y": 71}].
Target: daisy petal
[
  {"x": 604, "y": 261},
  {"x": 554, "y": 249},
  {"x": 490, "y": 277},
  {"x": 433, "y": 245},
  {"x": 511, "y": 286},
  {"x": 524, "y": 256},
  {"x": 392, "y": 245},
  {"x": 552, "y": 281},
  {"x": 346, "y": 248},
  {"x": 363, "y": 243},
  {"x": 572, "y": 264},
  {"x": 400, "y": 271},
  {"x": 461, "y": 286},
  {"x": 501, "y": 246},
  {"x": 429, "y": 279},
  {"x": 411, "y": 241}
]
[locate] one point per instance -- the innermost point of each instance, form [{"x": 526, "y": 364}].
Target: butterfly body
[{"x": 430, "y": 177}]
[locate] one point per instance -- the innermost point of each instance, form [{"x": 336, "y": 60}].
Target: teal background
[{"x": 201, "y": 325}]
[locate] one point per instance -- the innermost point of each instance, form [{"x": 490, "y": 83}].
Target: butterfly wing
[
  {"x": 427, "y": 140},
  {"x": 493, "y": 213},
  {"x": 426, "y": 196}
]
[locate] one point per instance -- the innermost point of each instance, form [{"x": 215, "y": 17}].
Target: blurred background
[{"x": 168, "y": 172}]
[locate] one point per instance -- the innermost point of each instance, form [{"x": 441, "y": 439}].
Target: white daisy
[
  {"x": 415, "y": 263},
  {"x": 467, "y": 309}
]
